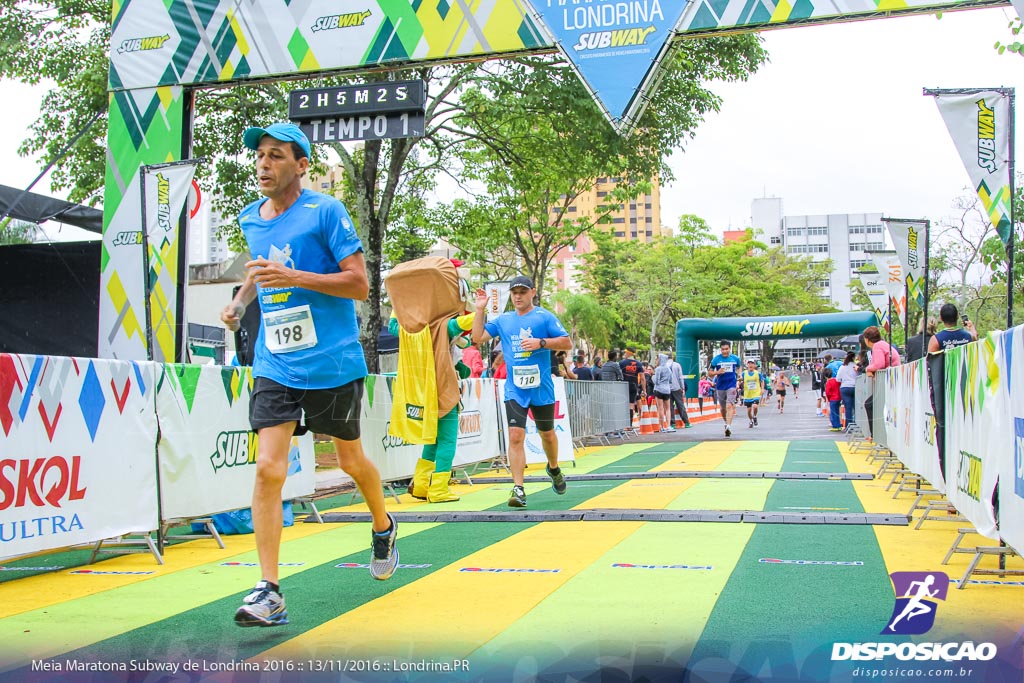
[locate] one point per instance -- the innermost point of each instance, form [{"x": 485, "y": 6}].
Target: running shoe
[
  {"x": 670, "y": 429},
  {"x": 518, "y": 497},
  {"x": 728, "y": 432},
  {"x": 262, "y": 607},
  {"x": 751, "y": 425},
  {"x": 755, "y": 421},
  {"x": 835, "y": 429},
  {"x": 557, "y": 480},
  {"x": 384, "y": 559}
]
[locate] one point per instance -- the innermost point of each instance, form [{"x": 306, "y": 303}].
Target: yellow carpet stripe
[{"x": 451, "y": 613}]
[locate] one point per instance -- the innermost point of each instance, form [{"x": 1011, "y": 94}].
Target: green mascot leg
[{"x": 444, "y": 454}]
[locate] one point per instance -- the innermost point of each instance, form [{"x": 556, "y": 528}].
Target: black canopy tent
[{"x": 49, "y": 292}]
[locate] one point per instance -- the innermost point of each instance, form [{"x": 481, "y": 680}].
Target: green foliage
[
  {"x": 586, "y": 319},
  {"x": 17, "y": 232}
]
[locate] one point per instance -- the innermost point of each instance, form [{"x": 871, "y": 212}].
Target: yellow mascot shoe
[
  {"x": 438, "y": 491},
  {"x": 420, "y": 479}
]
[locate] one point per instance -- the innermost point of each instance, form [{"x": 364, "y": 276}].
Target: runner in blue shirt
[
  {"x": 723, "y": 368},
  {"x": 526, "y": 334},
  {"x": 307, "y": 272}
]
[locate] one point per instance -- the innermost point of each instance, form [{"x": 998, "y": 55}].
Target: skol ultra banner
[
  {"x": 910, "y": 421},
  {"x": 976, "y": 431},
  {"x": 1011, "y": 460},
  {"x": 207, "y": 452},
  {"x": 911, "y": 241},
  {"x": 76, "y": 434},
  {"x": 874, "y": 287},
  {"x": 979, "y": 123},
  {"x": 890, "y": 272},
  {"x": 533, "y": 446}
]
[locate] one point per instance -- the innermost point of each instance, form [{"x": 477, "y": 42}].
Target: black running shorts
[
  {"x": 334, "y": 412},
  {"x": 544, "y": 416}
]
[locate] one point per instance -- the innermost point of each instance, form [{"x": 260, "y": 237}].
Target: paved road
[{"x": 797, "y": 422}]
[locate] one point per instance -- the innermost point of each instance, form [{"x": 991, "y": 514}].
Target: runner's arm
[
  {"x": 479, "y": 333},
  {"x": 350, "y": 283},
  {"x": 232, "y": 314}
]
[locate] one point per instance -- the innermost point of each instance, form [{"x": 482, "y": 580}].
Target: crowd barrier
[
  {"x": 92, "y": 449},
  {"x": 597, "y": 408},
  {"x": 963, "y": 431}
]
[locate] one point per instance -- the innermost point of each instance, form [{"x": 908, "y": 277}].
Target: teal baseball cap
[{"x": 286, "y": 132}]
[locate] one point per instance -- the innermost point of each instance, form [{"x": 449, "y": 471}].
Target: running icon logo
[{"x": 917, "y": 594}]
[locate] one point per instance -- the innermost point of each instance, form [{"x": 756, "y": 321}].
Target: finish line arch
[{"x": 691, "y": 330}]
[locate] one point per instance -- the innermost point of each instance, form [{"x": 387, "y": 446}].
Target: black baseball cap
[{"x": 521, "y": 281}]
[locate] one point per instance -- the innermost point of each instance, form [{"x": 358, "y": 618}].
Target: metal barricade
[{"x": 597, "y": 408}]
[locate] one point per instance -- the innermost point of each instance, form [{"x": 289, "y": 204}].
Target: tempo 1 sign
[
  {"x": 371, "y": 111},
  {"x": 379, "y": 127}
]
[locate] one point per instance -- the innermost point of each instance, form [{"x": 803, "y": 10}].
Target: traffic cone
[{"x": 649, "y": 420}]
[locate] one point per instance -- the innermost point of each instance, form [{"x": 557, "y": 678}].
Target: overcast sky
[{"x": 835, "y": 123}]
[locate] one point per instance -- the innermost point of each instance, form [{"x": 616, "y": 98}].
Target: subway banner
[
  {"x": 911, "y": 241},
  {"x": 533, "y": 446},
  {"x": 207, "y": 453},
  {"x": 979, "y": 123},
  {"x": 1011, "y": 460},
  {"x": 976, "y": 431},
  {"x": 396, "y": 459},
  {"x": 910, "y": 421},
  {"x": 890, "y": 273},
  {"x": 874, "y": 287},
  {"x": 76, "y": 434}
]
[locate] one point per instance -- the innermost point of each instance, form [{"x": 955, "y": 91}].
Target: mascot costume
[{"x": 428, "y": 299}]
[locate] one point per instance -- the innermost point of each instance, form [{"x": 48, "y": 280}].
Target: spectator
[
  {"x": 633, "y": 371},
  {"x": 678, "y": 393},
  {"x": 611, "y": 371},
  {"x": 579, "y": 367},
  {"x": 662, "y": 392},
  {"x": 560, "y": 366},
  {"x": 882, "y": 356},
  {"x": 847, "y": 379},
  {"x": 498, "y": 369},
  {"x": 832, "y": 393},
  {"x": 818, "y": 387},
  {"x": 705, "y": 389},
  {"x": 832, "y": 363},
  {"x": 472, "y": 358},
  {"x": 952, "y": 334},
  {"x": 596, "y": 368},
  {"x": 917, "y": 346}
]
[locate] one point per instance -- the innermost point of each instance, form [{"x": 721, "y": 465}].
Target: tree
[
  {"x": 17, "y": 232},
  {"x": 535, "y": 141},
  {"x": 586, "y": 319}
]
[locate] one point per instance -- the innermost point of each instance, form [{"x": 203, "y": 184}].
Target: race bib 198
[
  {"x": 526, "y": 376},
  {"x": 289, "y": 330}
]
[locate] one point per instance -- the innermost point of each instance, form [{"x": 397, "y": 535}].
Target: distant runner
[
  {"x": 753, "y": 384},
  {"x": 724, "y": 368},
  {"x": 781, "y": 384}
]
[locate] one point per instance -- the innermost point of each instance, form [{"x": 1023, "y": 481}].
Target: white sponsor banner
[
  {"x": 979, "y": 123},
  {"x": 976, "y": 431},
  {"x": 207, "y": 452},
  {"x": 910, "y": 421},
  {"x": 874, "y": 286},
  {"x": 77, "y": 459},
  {"x": 478, "y": 428},
  {"x": 891, "y": 274},
  {"x": 911, "y": 241},
  {"x": 532, "y": 445},
  {"x": 497, "y": 299},
  {"x": 1011, "y": 462}
]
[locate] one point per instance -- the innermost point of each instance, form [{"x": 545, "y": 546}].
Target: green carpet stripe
[
  {"x": 314, "y": 597},
  {"x": 781, "y": 612},
  {"x": 677, "y": 601}
]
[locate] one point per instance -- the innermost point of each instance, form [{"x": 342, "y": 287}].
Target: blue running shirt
[
  {"x": 730, "y": 364},
  {"x": 316, "y": 336},
  {"x": 511, "y": 328}
]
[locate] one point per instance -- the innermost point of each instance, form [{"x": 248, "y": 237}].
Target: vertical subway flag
[
  {"x": 910, "y": 240},
  {"x": 874, "y": 286},
  {"x": 615, "y": 47},
  {"x": 978, "y": 121},
  {"x": 166, "y": 188},
  {"x": 890, "y": 274},
  {"x": 497, "y": 298}
]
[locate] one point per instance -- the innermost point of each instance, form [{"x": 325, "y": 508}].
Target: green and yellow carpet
[{"x": 525, "y": 601}]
